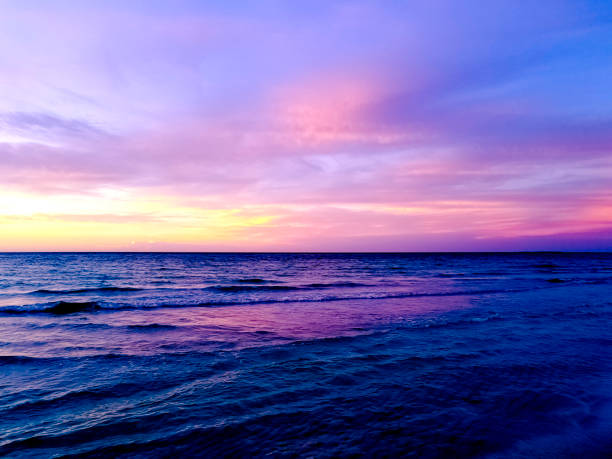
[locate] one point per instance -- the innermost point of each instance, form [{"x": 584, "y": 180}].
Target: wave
[
  {"x": 64, "y": 307},
  {"x": 18, "y": 359},
  {"x": 450, "y": 323},
  {"x": 546, "y": 266},
  {"x": 258, "y": 287},
  {"x": 282, "y": 288},
  {"x": 337, "y": 284},
  {"x": 104, "y": 358},
  {"x": 59, "y": 308},
  {"x": 86, "y": 290},
  {"x": 251, "y": 288},
  {"x": 67, "y": 307}
]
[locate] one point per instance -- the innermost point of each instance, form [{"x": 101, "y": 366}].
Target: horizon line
[{"x": 399, "y": 252}]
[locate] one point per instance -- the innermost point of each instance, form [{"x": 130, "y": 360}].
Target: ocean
[{"x": 305, "y": 355}]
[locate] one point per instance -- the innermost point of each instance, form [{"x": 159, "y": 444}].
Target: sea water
[{"x": 425, "y": 355}]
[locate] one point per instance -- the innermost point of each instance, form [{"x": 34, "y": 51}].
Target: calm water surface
[{"x": 425, "y": 355}]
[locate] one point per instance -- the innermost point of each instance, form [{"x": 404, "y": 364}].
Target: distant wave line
[{"x": 64, "y": 307}]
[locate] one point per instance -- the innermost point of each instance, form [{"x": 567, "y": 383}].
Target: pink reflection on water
[{"x": 138, "y": 332}]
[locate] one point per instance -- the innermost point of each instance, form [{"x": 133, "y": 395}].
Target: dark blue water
[{"x": 315, "y": 355}]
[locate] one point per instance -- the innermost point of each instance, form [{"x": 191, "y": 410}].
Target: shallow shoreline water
[{"x": 430, "y": 355}]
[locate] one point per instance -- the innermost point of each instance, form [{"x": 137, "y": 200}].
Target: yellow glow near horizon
[
  {"x": 123, "y": 219},
  {"x": 113, "y": 221}
]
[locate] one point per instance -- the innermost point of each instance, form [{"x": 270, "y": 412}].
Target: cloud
[
  {"x": 340, "y": 121},
  {"x": 32, "y": 124}
]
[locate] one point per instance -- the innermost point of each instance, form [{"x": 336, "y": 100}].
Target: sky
[{"x": 305, "y": 125}]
